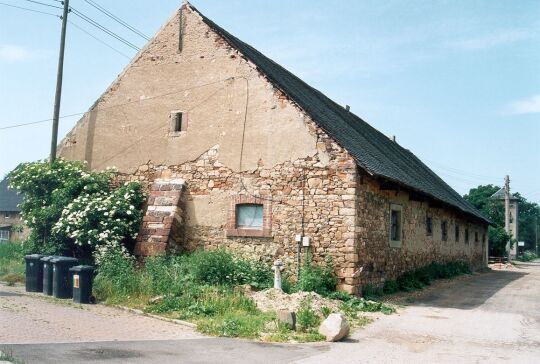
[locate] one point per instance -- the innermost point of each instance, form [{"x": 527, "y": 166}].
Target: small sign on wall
[
  {"x": 75, "y": 281},
  {"x": 521, "y": 243}
]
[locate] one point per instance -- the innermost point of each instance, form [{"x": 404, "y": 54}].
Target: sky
[{"x": 457, "y": 82}]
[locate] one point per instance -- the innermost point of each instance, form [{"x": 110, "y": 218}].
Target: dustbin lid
[
  {"x": 49, "y": 257},
  {"x": 33, "y": 256},
  {"x": 64, "y": 260},
  {"x": 82, "y": 268}
]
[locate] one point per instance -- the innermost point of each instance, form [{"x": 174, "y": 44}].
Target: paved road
[
  {"x": 488, "y": 318},
  {"x": 491, "y": 317}
]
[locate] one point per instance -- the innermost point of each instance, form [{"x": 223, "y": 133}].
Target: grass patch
[
  {"x": 12, "y": 266},
  {"x": 203, "y": 288},
  {"x": 417, "y": 279}
]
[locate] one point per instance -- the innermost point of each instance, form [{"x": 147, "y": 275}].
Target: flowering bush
[
  {"x": 104, "y": 221},
  {"x": 75, "y": 212}
]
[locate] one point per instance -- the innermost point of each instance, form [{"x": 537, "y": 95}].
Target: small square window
[
  {"x": 396, "y": 231},
  {"x": 178, "y": 122},
  {"x": 249, "y": 216},
  {"x": 457, "y": 233},
  {"x": 6, "y": 215},
  {"x": 467, "y": 235},
  {"x": 429, "y": 225},
  {"x": 476, "y": 236},
  {"x": 444, "y": 230}
]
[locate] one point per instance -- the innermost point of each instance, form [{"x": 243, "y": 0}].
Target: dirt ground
[{"x": 491, "y": 317}]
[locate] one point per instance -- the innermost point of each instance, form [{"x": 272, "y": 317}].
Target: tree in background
[{"x": 528, "y": 219}]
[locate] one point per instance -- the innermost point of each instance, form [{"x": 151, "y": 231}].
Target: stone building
[
  {"x": 236, "y": 151},
  {"x": 10, "y": 214}
]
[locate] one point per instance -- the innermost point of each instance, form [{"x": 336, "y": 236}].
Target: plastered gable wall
[
  {"x": 129, "y": 125},
  {"x": 306, "y": 178}
]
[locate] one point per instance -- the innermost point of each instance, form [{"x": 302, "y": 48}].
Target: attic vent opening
[{"x": 177, "y": 123}]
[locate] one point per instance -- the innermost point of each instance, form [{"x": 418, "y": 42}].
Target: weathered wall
[
  {"x": 303, "y": 194},
  {"x": 13, "y": 219},
  {"x": 130, "y": 124},
  {"x": 381, "y": 262}
]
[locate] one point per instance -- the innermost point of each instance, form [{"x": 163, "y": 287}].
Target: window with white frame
[
  {"x": 396, "y": 225},
  {"x": 4, "y": 234},
  {"x": 249, "y": 216}
]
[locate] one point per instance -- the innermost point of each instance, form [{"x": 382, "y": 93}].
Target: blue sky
[{"x": 457, "y": 82}]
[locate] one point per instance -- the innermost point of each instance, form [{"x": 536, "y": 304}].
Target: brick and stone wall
[
  {"x": 315, "y": 194},
  {"x": 380, "y": 262},
  {"x": 162, "y": 227}
]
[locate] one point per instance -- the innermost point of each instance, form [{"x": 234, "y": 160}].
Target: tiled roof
[
  {"x": 372, "y": 150},
  {"x": 9, "y": 199}
]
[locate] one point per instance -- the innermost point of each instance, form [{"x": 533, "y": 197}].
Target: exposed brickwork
[
  {"x": 234, "y": 231},
  {"x": 162, "y": 226}
]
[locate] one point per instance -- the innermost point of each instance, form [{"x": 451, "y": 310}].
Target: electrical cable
[
  {"x": 104, "y": 29},
  {"x": 38, "y": 121},
  {"x": 121, "y": 104},
  {"x": 43, "y": 4},
  {"x": 117, "y": 19},
  {"x": 99, "y": 40},
  {"x": 28, "y": 9}
]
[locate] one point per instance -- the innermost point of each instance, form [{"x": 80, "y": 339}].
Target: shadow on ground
[{"x": 471, "y": 292}]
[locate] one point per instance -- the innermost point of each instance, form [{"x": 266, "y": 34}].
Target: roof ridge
[{"x": 372, "y": 150}]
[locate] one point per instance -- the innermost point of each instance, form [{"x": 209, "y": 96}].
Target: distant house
[
  {"x": 10, "y": 218},
  {"x": 238, "y": 152}
]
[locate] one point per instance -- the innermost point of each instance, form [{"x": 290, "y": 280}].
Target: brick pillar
[{"x": 163, "y": 219}]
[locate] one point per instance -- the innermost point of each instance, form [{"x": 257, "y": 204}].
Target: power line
[
  {"x": 117, "y": 19},
  {"x": 104, "y": 29},
  {"x": 121, "y": 104},
  {"x": 99, "y": 40},
  {"x": 38, "y": 121},
  {"x": 43, "y": 4},
  {"x": 28, "y": 9}
]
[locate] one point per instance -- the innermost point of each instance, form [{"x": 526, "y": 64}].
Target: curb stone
[{"x": 142, "y": 313}]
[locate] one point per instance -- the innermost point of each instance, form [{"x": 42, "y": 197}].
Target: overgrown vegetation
[
  {"x": 418, "y": 279},
  {"x": 527, "y": 256},
  {"x": 205, "y": 288},
  {"x": 11, "y": 262},
  {"x": 71, "y": 211},
  {"x": 314, "y": 278}
]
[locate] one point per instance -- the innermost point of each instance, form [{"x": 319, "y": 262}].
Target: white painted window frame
[{"x": 395, "y": 243}]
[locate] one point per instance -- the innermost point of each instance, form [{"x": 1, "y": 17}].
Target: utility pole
[
  {"x": 58, "y": 95},
  {"x": 507, "y": 215}
]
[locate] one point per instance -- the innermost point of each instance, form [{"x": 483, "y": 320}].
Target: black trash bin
[
  {"x": 34, "y": 273},
  {"x": 61, "y": 276},
  {"x": 48, "y": 274},
  {"x": 82, "y": 277}
]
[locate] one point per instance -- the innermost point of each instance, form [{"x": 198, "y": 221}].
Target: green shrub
[
  {"x": 221, "y": 267},
  {"x": 371, "y": 292},
  {"x": 390, "y": 287},
  {"x": 306, "y": 318},
  {"x": 72, "y": 211},
  {"x": 314, "y": 278},
  {"x": 527, "y": 256},
  {"x": 12, "y": 264}
]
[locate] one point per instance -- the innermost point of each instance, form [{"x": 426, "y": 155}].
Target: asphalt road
[{"x": 486, "y": 318}]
